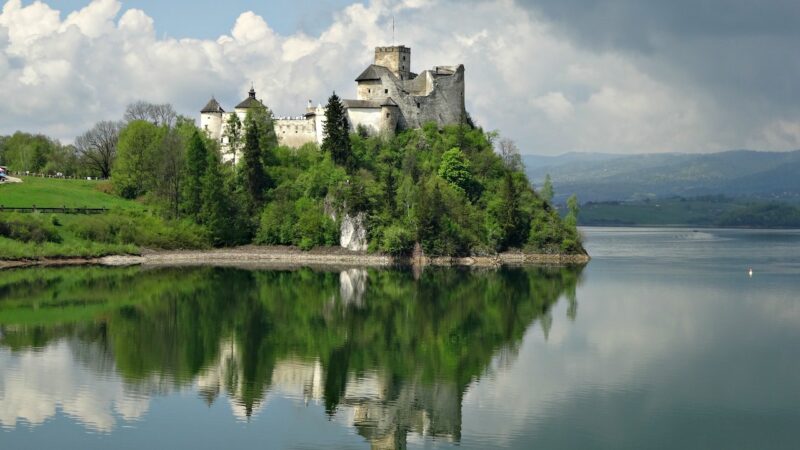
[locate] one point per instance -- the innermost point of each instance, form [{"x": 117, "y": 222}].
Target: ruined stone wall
[
  {"x": 294, "y": 132},
  {"x": 444, "y": 103}
]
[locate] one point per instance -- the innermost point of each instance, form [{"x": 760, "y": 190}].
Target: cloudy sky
[{"x": 623, "y": 76}]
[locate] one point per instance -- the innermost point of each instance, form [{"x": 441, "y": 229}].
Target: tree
[
  {"x": 336, "y": 137},
  {"x": 214, "y": 210},
  {"x": 170, "y": 173},
  {"x": 253, "y": 175},
  {"x": 137, "y": 159},
  {"x": 194, "y": 169},
  {"x": 455, "y": 169},
  {"x": 510, "y": 219},
  {"x": 571, "y": 220},
  {"x": 157, "y": 114},
  {"x": 98, "y": 147},
  {"x": 509, "y": 152},
  {"x": 547, "y": 189},
  {"x": 233, "y": 134}
]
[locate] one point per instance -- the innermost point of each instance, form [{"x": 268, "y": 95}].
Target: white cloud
[{"x": 59, "y": 76}]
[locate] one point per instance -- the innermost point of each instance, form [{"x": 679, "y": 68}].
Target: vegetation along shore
[{"x": 452, "y": 194}]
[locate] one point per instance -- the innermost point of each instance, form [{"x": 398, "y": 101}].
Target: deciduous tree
[{"x": 98, "y": 147}]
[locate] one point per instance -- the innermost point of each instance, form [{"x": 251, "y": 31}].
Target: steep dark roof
[
  {"x": 212, "y": 107},
  {"x": 371, "y": 73},
  {"x": 250, "y": 101}
]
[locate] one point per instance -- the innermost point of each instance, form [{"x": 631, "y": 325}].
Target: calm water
[{"x": 662, "y": 341}]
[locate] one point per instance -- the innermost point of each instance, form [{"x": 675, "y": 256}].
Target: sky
[{"x": 620, "y": 76}]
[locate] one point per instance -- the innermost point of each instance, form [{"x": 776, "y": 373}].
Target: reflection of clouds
[
  {"x": 685, "y": 342},
  {"x": 34, "y": 385}
]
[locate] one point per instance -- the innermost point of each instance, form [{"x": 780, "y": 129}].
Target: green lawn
[
  {"x": 124, "y": 229},
  {"x": 54, "y": 193}
]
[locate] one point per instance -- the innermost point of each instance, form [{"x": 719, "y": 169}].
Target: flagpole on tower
[{"x": 392, "y": 31}]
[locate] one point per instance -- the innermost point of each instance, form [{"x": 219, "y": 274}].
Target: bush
[
  {"x": 142, "y": 230},
  {"x": 29, "y": 228},
  {"x": 277, "y": 224},
  {"x": 397, "y": 241},
  {"x": 313, "y": 226}
]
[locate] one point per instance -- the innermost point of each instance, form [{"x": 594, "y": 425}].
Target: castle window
[
  {"x": 417, "y": 104},
  {"x": 369, "y": 91},
  {"x": 387, "y": 115},
  {"x": 385, "y": 91}
]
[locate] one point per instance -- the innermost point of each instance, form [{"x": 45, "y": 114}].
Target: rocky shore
[{"x": 285, "y": 256}]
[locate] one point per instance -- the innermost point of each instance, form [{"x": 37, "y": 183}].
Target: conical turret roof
[{"x": 212, "y": 106}]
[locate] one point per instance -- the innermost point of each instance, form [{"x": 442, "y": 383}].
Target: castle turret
[
  {"x": 211, "y": 118},
  {"x": 396, "y": 58}
]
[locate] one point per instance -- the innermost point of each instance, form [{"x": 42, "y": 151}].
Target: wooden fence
[{"x": 59, "y": 210}]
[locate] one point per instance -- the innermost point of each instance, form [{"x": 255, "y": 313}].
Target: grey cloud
[
  {"x": 640, "y": 24},
  {"x": 742, "y": 55}
]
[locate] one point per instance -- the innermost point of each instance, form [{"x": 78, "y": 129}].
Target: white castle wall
[{"x": 368, "y": 117}]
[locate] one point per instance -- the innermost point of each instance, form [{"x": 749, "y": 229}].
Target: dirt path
[{"x": 290, "y": 256}]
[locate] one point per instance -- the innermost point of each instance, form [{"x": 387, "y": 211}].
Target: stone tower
[{"x": 396, "y": 58}]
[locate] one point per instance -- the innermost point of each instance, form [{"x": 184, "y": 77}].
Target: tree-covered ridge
[{"x": 444, "y": 190}]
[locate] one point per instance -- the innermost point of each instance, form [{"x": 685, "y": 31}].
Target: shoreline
[{"x": 286, "y": 256}]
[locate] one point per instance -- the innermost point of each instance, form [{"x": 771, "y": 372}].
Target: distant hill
[{"x": 608, "y": 177}]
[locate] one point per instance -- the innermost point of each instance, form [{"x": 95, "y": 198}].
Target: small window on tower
[
  {"x": 417, "y": 104},
  {"x": 369, "y": 91},
  {"x": 385, "y": 91},
  {"x": 387, "y": 115}
]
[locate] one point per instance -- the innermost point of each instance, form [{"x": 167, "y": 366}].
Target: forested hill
[
  {"x": 444, "y": 191},
  {"x": 608, "y": 177}
]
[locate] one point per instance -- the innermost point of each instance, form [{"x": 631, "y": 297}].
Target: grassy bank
[
  {"x": 53, "y": 192},
  {"x": 124, "y": 230}
]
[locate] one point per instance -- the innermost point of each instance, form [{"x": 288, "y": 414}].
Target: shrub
[
  {"x": 277, "y": 224},
  {"x": 30, "y": 228},
  {"x": 397, "y": 240}
]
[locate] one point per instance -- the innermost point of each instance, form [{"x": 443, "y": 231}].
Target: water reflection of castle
[
  {"x": 383, "y": 351},
  {"x": 384, "y": 412}
]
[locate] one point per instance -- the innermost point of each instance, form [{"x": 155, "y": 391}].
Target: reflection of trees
[{"x": 397, "y": 350}]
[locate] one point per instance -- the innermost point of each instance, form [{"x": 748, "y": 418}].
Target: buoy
[{"x": 750, "y": 272}]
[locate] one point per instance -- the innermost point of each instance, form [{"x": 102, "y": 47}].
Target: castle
[{"x": 389, "y": 97}]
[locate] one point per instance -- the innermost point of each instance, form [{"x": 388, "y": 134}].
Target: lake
[{"x": 664, "y": 340}]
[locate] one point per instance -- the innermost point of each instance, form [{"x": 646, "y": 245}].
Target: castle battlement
[{"x": 389, "y": 97}]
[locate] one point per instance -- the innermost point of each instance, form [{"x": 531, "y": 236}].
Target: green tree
[
  {"x": 547, "y": 189},
  {"x": 233, "y": 136},
  {"x": 137, "y": 152},
  {"x": 455, "y": 169},
  {"x": 571, "y": 220},
  {"x": 215, "y": 212},
  {"x": 194, "y": 169},
  {"x": 336, "y": 137},
  {"x": 259, "y": 146},
  {"x": 254, "y": 178},
  {"x": 511, "y": 217}
]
